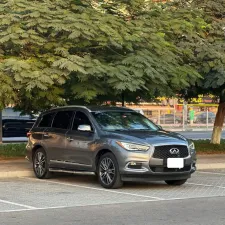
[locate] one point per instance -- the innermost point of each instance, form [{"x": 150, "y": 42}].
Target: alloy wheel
[
  {"x": 40, "y": 164},
  {"x": 107, "y": 171}
]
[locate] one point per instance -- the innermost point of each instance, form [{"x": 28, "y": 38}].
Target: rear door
[
  {"x": 57, "y": 137},
  {"x": 39, "y": 131},
  {"x": 79, "y": 143}
]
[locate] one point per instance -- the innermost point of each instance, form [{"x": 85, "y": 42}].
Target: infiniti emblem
[{"x": 174, "y": 151}]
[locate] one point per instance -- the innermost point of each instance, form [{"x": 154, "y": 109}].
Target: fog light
[
  {"x": 134, "y": 165},
  {"x": 194, "y": 165}
]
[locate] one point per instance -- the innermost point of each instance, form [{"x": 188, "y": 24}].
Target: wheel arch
[
  {"x": 99, "y": 154},
  {"x": 35, "y": 148}
]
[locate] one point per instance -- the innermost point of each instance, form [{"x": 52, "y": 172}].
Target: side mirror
[{"x": 84, "y": 128}]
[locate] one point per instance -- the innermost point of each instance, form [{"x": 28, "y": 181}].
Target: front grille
[
  {"x": 163, "y": 152},
  {"x": 170, "y": 170}
]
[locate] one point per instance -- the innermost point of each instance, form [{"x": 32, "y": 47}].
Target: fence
[{"x": 198, "y": 119}]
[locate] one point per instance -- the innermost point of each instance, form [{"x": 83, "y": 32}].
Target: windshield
[{"x": 115, "y": 120}]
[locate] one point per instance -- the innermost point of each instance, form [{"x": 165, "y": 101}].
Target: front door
[{"x": 79, "y": 144}]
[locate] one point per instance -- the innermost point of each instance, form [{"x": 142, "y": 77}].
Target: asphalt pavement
[
  {"x": 196, "y": 135},
  {"x": 79, "y": 200},
  {"x": 185, "y": 212}
]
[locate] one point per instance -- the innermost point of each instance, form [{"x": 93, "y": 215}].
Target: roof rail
[{"x": 71, "y": 106}]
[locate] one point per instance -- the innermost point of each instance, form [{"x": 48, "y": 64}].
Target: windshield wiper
[
  {"x": 119, "y": 130},
  {"x": 144, "y": 129}
]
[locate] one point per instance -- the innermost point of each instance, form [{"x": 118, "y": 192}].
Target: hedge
[{"x": 12, "y": 150}]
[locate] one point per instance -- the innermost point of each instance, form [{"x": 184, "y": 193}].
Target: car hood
[{"x": 160, "y": 137}]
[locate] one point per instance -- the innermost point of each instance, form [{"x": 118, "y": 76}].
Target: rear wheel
[
  {"x": 108, "y": 171},
  {"x": 40, "y": 164},
  {"x": 176, "y": 182}
]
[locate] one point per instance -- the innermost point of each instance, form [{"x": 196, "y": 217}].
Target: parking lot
[{"x": 62, "y": 191}]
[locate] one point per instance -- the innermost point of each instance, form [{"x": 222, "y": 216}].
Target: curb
[{"x": 210, "y": 166}]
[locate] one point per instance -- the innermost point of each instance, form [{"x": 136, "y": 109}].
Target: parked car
[
  {"x": 202, "y": 117},
  {"x": 16, "y": 127},
  {"x": 170, "y": 119},
  {"x": 117, "y": 144}
]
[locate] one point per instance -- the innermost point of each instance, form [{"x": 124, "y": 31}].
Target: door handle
[{"x": 70, "y": 139}]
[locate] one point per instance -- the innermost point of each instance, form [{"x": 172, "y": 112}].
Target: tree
[
  {"x": 214, "y": 70},
  {"x": 208, "y": 56},
  {"x": 152, "y": 59},
  {"x": 52, "y": 54},
  {"x": 44, "y": 44}
]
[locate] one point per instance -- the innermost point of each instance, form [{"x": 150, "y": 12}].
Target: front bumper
[
  {"x": 142, "y": 166},
  {"x": 155, "y": 177},
  {"x": 160, "y": 172}
]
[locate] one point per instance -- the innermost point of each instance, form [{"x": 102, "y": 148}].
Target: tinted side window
[
  {"x": 80, "y": 119},
  {"x": 62, "y": 119},
  {"x": 46, "y": 120}
]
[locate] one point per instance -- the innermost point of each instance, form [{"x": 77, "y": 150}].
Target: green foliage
[
  {"x": 52, "y": 52},
  {"x": 150, "y": 64},
  {"x": 208, "y": 52}
]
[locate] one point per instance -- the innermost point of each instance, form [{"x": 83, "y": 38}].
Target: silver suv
[{"x": 117, "y": 144}]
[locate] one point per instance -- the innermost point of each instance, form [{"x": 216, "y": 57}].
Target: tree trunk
[
  {"x": 218, "y": 125},
  {"x": 0, "y": 126},
  {"x": 123, "y": 99}
]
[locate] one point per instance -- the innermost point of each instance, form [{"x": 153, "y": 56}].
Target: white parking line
[
  {"x": 81, "y": 205},
  {"x": 101, "y": 204},
  {"x": 212, "y": 173},
  {"x": 17, "y": 204},
  {"x": 97, "y": 189},
  {"x": 16, "y": 210},
  {"x": 206, "y": 185}
]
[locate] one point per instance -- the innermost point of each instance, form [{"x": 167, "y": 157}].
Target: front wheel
[
  {"x": 176, "y": 182},
  {"x": 108, "y": 171},
  {"x": 40, "y": 164}
]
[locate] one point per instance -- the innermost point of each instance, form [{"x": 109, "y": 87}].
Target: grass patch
[
  {"x": 205, "y": 147},
  {"x": 12, "y": 150}
]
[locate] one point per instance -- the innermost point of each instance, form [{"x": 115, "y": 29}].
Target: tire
[
  {"x": 176, "y": 182},
  {"x": 106, "y": 165},
  {"x": 40, "y": 164}
]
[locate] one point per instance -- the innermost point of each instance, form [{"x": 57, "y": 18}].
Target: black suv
[
  {"x": 16, "y": 127},
  {"x": 117, "y": 144}
]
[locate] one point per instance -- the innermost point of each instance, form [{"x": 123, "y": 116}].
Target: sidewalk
[
  {"x": 205, "y": 162},
  {"x": 22, "y": 168},
  {"x": 15, "y": 168}
]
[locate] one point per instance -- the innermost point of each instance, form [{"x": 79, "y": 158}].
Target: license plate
[{"x": 175, "y": 163}]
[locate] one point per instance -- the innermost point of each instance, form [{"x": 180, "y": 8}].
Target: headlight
[
  {"x": 133, "y": 146},
  {"x": 192, "y": 146}
]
